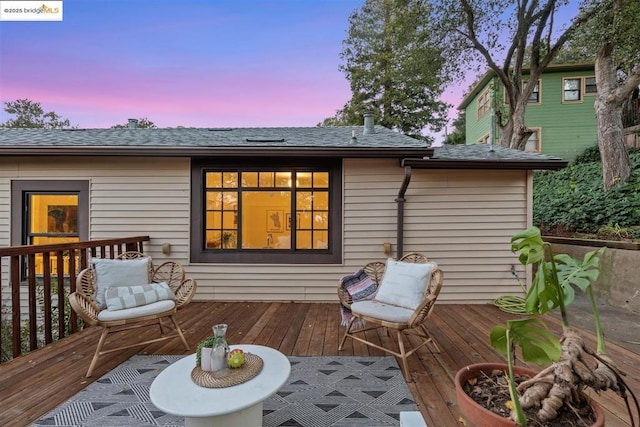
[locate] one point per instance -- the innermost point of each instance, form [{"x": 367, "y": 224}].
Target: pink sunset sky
[{"x": 194, "y": 63}]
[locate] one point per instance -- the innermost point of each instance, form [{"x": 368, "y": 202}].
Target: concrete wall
[{"x": 618, "y": 284}]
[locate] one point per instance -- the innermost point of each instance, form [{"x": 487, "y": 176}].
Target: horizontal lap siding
[
  {"x": 461, "y": 219},
  {"x": 464, "y": 220},
  {"x": 127, "y": 196}
]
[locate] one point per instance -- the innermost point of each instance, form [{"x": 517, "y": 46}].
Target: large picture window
[{"x": 282, "y": 212}]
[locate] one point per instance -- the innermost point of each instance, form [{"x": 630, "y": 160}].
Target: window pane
[
  {"x": 230, "y": 220},
  {"x": 304, "y": 220},
  {"x": 321, "y": 180},
  {"x": 572, "y": 84},
  {"x": 320, "y": 220},
  {"x": 590, "y": 85},
  {"x": 266, "y": 179},
  {"x": 249, "y": 179},
  {"x": 303, "y": 180},
  {"x": 532, "y": 143},
  {"x": 320, "y": 200},
  {"x": 230, "y": 200},
  {"x": 320, "y": 240},
  {"x": 304, "y": 200},
  {"x": 303, "y": 240},
  {"x": 283, "y": 179},
  {"x": 53, "y": 214},
  {"x": 214, "y": 200},
  {"x": 230, "y": 180},
  {"x": 264, "y": 220},
  {"x": 572, "y": 95}
]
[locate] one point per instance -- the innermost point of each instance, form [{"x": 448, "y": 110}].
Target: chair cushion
[
  {"x": 382, "y": 311},
  {"x": 121, "y": 297},
  {"x": 115, "y": 272},
  {"x": 404, "y": 283},
  {"x": 132, "y": 313}
]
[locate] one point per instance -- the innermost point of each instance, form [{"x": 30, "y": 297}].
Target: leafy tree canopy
[
  {"x": 143, "y": 123},
  {"x": 29, "y": 114},
  {"x": 393, "y": 59},
  {"x": 496, "y": 34},
  {"x": 458, "y": 136}
]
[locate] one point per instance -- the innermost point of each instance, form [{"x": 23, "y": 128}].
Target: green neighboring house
[{"x": 560, "y": 110}]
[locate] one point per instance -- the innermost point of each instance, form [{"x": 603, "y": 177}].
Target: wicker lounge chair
[
  {"x": 86, "y": 303},
  {"x": 392, "y": 307}
]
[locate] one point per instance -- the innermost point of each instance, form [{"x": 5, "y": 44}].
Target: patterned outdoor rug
[{"x": 321, "y": 391}]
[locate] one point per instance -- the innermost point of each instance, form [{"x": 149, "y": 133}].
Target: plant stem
[
  {"x": 596, "y": 318},
  {"x": 560, "y": 292},
  {"x": 521, "y": 420}
]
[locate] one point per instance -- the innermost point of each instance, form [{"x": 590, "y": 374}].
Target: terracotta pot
[{"x": 477, "y": 416}]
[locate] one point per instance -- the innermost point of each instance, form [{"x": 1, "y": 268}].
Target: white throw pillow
[
  {"x": 121, "y": 297},
  {"x": 404, "y": 283},
  {"x": 115, "y": 272}
]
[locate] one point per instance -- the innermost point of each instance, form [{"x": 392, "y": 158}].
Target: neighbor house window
[
  {"x": 590, "y": 87},
  {"x": 572, "y": 89},
  {"x": 276, "y": 212},
  {"x": 576, "y": 88},
  {"x": 534, "y": 144},
  {"x": 49, "y": 212},
  {"x": 534, "y": 98},
  {"x": 484, "y": 103}
]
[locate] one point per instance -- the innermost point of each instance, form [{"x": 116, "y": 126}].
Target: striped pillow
[{"x": 121, "y": 297}]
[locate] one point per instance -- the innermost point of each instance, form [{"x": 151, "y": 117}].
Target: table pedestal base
[{"x": 249, "y": 417}]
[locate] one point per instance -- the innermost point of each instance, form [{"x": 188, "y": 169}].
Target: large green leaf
[
  {"x": 538, "y": 345},
  {"x": 572, "y": 272},
  {"x": 530, "y": 245},
  {"x": 543, "y": 293}
]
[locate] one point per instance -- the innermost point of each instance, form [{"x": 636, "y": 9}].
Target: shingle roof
[
  {"x": 483, "y": 156},
  {"x": 311, "y": 141},
  {"x": 191, "y": 141}
]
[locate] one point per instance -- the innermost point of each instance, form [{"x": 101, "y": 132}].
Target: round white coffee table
[{"x": 174, "y": 392}]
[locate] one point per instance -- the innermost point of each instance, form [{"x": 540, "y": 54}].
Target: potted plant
[{"x": 566, "y": 374}]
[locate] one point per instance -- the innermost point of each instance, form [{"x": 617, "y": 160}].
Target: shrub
[
  {"x": 589, "y": 155},
  {"x": 574, "y": 199}
]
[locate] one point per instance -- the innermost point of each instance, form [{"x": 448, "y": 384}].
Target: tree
[
  {"x": 459, "y": 130},
  {"x": 143, "y": 123},
  {"x": 494, "y": 31},
  {"x": 29, "y": 114},
  {"x": 613, "y": 34},
  {"x": 393, "y": 59}
]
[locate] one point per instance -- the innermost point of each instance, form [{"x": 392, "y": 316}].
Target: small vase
[{"x": 220, "y": 348}]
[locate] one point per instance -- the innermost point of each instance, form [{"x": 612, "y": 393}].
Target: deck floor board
[{"x": 34, "y": 384}]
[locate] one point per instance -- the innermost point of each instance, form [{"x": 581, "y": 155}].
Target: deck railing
[{"x": 33, "y": 292}]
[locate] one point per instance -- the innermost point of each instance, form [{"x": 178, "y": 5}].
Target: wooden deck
[{"x": 34, "y": 384}]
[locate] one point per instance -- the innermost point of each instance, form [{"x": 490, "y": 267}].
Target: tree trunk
[
  {"x": 616, "y": 166},
  {"x": 514, "y": 134}
]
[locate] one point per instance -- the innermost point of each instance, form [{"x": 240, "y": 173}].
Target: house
[
  {"x": 560, "y": 111},
  {"x": 274, "y": 214}
]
